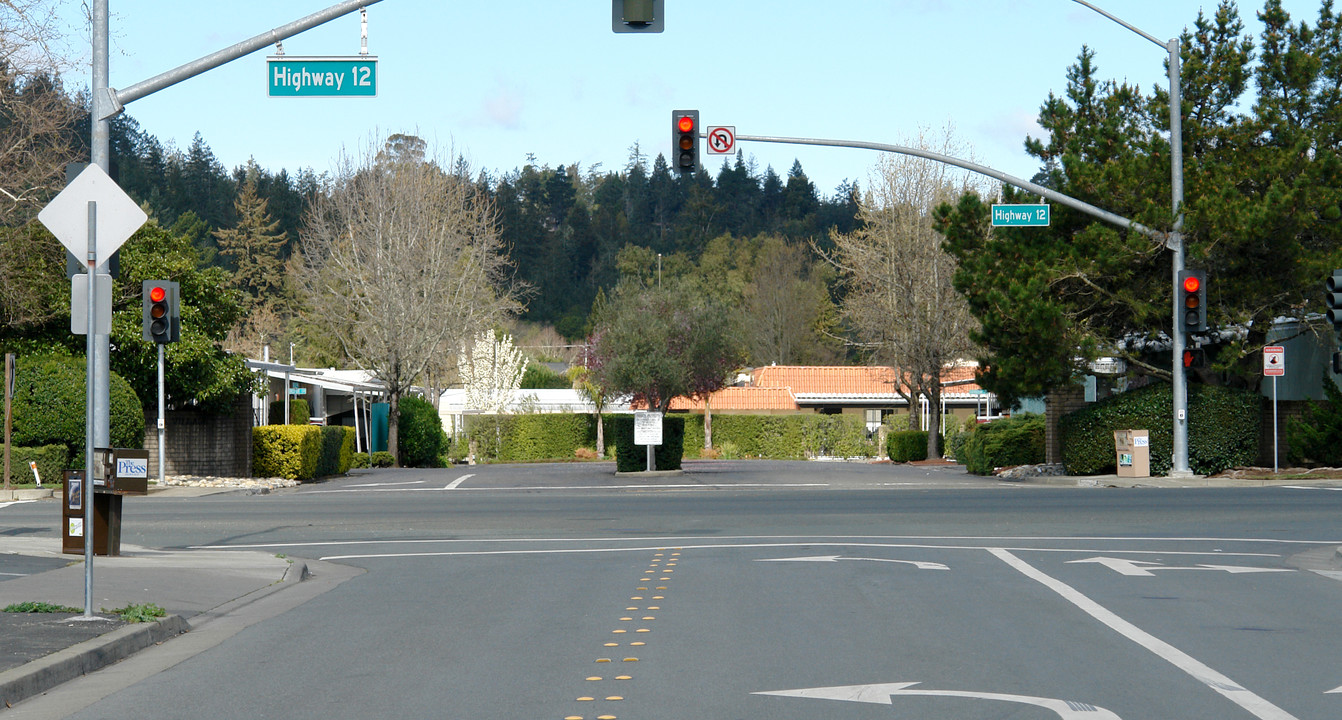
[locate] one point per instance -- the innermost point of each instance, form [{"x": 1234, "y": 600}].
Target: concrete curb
[
  {"x": 60, "y": 667},
  {"x": 26, "y": 494}
]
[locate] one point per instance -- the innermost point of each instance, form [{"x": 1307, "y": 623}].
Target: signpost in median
[
  {"x": 648, "y": 431},
  {"x": 1274, "y": 366}
]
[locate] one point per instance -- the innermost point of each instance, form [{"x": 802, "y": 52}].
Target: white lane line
[
  {"x": 14, "y": 502},
  {"x": 1309, "y": 487},
  {"x": 534, "y": 488},
  {"x": 1246, "y": 699},
  {"x": 457, "y": 483},
  {"x": 14, "y": 574},
  {"x": 387, "y": 484}
]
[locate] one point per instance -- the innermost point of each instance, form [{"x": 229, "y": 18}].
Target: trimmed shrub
[
  {"x": 909, "y": 445},
  {"x": 1017, "y": 440},
  {"x": 420, "y": 438},
  {"x": 782, "y": 437},
  {"x": 1222, "y": 429},
  {"x": 359, "y": 460},
  {"x": 633, "y": 458},
  {"x": 49, "y": 406},
  {"x": 337, "y": 450},
  {"x": 1316, "y": 437},
  {"x": 51, "y": 461},
  {"x": 382, "y": 459},
  {"x": 288, "y": 451},
  {"x": 299, "y": 413}
]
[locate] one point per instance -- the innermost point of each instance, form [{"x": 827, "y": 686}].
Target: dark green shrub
[
  {"x": 1316, "y": 438},
  {"x": 49, "y": 406},
  {"x": 1222, "y": 429},
  {"x": 52, "y": 460},
  {"x": 288, "y": 451},
  {"x": 547, "y": 437},
  {"x": 909, "y": 445},
  {"x": 1017, "y": 440},
  {"x": 337, "y": 450},
  {"x": 633, "y": 458},
  {"x": 420, "y": 434},
  {"x": 782, "y": 437},
  {"x": 299, "y": 413},
  {"x": 382, "y": 459},
  {"x": 540, "y": 377}
]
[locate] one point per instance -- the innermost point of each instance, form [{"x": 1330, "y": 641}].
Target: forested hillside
[{"x": 563, "y": 225}]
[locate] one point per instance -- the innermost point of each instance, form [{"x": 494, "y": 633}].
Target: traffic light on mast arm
[
  {"x": 1332, "y": 297},
  {"x": 685, "y": 140},
  {"x": 1192, "y": 291},
  {"x": 161, "y": 317}
]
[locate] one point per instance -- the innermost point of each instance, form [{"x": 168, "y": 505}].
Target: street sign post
[
  {"x": 1020, "y": 215},
  {"x": 1274, "y": 366},
  {"x": 354, "y": 76}
]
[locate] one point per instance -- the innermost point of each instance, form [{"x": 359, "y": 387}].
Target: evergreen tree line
[{"x": 563, "y": 227}]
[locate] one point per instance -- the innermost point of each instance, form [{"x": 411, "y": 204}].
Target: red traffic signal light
[
  {"x": 1193, "y": 289},
  {"x": 157, "y": 294},
  {"x": 160, "y": 318},
  {"x": 1192, "y": 283},
  {"x": 685, "y": 140}
]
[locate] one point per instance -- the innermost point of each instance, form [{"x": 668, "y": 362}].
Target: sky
[{"x": 498, "y": 82}]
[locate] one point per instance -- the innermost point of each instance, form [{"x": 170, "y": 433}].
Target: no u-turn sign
[{"x": 722, "y": 140}]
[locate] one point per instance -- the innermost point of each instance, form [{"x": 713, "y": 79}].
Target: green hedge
[
  {"x": 48, "y": 406},
  {"x": 531, "y": 437},
  {"x": 419, "y": 433},
  {"x": 1222, "y": 429},
  {"x": 909, "y": 445},
  {"x": 52, "y": 460},
  {"x": 782, "y": 437},
  {"x": 634, "y": 458},
  {"x": 1017, "y": 440},
  {"x": 299, "y": 413},
  {"x": 1316, "y": 437},
  {"x": 301, "y": 452}
]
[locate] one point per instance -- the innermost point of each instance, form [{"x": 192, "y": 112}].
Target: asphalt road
[{"x": 763, "y": 590}]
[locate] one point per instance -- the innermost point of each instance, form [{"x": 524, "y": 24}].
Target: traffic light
[
  {"x": 1193, "y": 298},
  {"x": 1332, "y": 297},
  {"x": 1195, "y": 358},
  {"x": 161, "y": 316},
  {"x": 637, "y": 16},
  {"x": 685, "y": 140}
]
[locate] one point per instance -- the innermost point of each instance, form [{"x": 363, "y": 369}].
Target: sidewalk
[{"x": 39, "y": 651}]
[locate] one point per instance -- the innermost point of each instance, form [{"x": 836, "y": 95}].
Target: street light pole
[{"x": 1179, "y": 384}]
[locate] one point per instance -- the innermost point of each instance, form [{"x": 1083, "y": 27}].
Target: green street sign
[
  {"x": 322, "y": 76},
  {"x": 1020, "y": 216}
]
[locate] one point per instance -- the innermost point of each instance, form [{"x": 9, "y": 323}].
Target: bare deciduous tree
[
  {"x": 900, "y": 300},
  {"x": 402, "y": 261}
]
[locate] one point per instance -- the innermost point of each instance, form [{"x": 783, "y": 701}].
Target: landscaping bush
[
  {"x": 337, "y": 450},
  {"x": 420, "y": 438},
  {"x": 909, "y": 445},
  {"x": 1222, "y": 429},
  {"x": 1017, "y": 440},
  {"x": 382, "y": 459},
  {"x": 782, "y": 437},
  {"x": 52, "y": 460},
  {"x": 359, "y": 460},
  {"x": 288, "y": 451},
  {"x": 633, "y": 458},
  {"x": 49, "y": 408},
  {"x": 1316, "y": 437},
  {"x": 299, "y": 413}
]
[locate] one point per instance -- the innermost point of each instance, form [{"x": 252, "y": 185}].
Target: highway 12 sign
[
  {"x": 354, "y": 76},
  {"x": 1020, "y": 215}
]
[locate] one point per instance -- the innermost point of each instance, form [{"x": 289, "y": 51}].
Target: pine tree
[{"x": 254, "y": 246}]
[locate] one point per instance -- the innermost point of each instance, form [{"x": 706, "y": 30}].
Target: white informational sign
[
  {"x": 132, "y": 467},
  {"x": 647, "y": 428},
  {"x": 76, "y": 527},
  {"x": 1274, "y": 361},
  {"x": 722, "y": 140},
  {"x": 79, "y": 304}
]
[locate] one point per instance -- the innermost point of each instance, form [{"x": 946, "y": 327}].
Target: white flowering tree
[{"x": 490, "y": 369}]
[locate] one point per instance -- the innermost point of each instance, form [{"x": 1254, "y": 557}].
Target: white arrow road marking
[
  {"x": 1236, "y": 693},
  {"x": 457, "y": 483},
  {"x": 920, "y": 564},
  {"x": 15, "y": 502},
  {"x": 883, "y": 694},
  {"x": 387, "y": 484},
  {"x": 1337, "y": 689},
  {"x": 1143, "y": 568}
]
